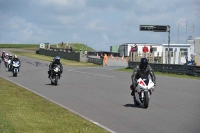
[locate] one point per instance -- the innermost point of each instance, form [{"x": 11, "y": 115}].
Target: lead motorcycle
[
  {"x": 143, "y": 91},
  {"x": 15, "y": 68},
  {"x": 55, "y": 74}
]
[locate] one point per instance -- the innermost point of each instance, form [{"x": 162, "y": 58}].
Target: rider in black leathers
[
  {"x": 56, "y": 60},
  {"x": 143, "y": 70}
]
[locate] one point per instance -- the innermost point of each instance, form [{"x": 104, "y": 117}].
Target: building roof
[
  {"x": 125, "y": 44},
  {"x": 177, "y": 45}
]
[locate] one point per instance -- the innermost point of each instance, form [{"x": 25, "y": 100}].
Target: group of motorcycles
[
  {"x": 12, "y": 66},
  {"x": 143, "y": 90}
]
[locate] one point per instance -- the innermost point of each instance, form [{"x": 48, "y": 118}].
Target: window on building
[
  {"x": 154, "y": 49},
  {"x": 183, "y": 51}
]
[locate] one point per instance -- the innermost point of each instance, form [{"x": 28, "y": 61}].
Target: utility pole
[
  {"x": 178, "y": 32},
  {"x": 186, "y": 33},
  {"x": 193, "y": 31},
  {"x": 168, "y": 44}
]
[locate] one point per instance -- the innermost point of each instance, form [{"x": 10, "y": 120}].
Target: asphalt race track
[{"x": 102, "y": 95}]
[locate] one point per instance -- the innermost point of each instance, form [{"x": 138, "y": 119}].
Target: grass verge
[
  {"x": 19, "y": 46},
  {"x": 48, "y": 58},
  {"x": 163, "y": 74},
  {"x": 22, "y": 111}
]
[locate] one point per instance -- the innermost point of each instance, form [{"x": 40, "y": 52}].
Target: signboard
[
  {"x": 154, "y": 28},
  {"x": 42, "y": 45}
]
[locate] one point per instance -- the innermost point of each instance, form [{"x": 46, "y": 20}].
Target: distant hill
[{"x": 75, "y": 46}]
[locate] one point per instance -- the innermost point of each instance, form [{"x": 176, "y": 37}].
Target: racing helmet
[
  {"x": 15, "y": 56},
  {"x": 143, "y": 63},
  {"x": 57, "y": 59},
  {"x": 6, "y": 54},
  {"x": 10, "y": 56}
]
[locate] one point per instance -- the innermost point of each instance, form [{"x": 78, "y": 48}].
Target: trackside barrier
[
  {"x": 77, "y": 56},
  {"x": 98, "y": 61},
  {"x": 171, "y": 68}
]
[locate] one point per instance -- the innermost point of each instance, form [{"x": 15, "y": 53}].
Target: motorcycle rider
[
  {"x": 6, "y": 56},
  {"x": 5, "y": 59},
  {"x": 10, "y": 57},
  {"x": 3, "y": 54},
  {"x": 56, "y": 61},
  {"x": 143, "y": 70},
  {"x": 15, "y": 58}
]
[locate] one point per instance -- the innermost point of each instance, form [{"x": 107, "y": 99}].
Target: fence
[
  {"x": 98, "y": 61},
  {"x": 160, "y": 57},
  {"x": 171, "y": 68},
  {"x": 77, "y": 56}
]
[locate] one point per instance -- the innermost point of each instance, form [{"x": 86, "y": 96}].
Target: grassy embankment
[
  {"x": 75, "y": 46},
  {"x": 22, "y": 111},
  {"x": 163, "y": 74},
  {"x": 33, "y": 47},
  {"x": 49, "y": 58},
  {"x": 21, "y": 46}
]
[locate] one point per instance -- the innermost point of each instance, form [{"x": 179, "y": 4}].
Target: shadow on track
[
  {"x": 131, "y": 105},
  {"x": 52, "y": 85}
]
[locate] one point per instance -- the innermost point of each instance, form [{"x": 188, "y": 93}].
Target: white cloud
[
  {"x": 96, "y": 25},
  {"x": 65, "y": 3},
  {"x": 105, "y": 37}
]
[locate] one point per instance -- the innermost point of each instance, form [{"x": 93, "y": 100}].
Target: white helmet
[{"x": 6, "y": 54}]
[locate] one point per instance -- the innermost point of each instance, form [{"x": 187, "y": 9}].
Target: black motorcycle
[{"x": 55, "y": 74}]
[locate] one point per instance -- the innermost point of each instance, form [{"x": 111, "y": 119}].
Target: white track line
[
  {"x": 96, "y": 123},
  {"x": 91, "y": 73}
]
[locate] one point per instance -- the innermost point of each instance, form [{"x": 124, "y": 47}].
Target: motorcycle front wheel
[{"x": 146, "y": 99}]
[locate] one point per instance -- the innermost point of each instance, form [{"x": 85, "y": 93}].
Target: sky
[{"x": 97, "y": 23}]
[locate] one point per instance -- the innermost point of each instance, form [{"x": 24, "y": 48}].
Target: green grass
[
  {"x": 48, "y": 58},
  {"x": 163, "y": 74},
  {"x": 75, "y": 47},
  {"x": 19, "y": 46},
  {"x": 22, "y": 111}
]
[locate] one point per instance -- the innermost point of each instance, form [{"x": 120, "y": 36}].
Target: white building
[
  {"x": 185, "y": 49},
  {"x": 197, "y": 49},
  {"x": 125, "y": 48},
  {"x": 159, "y": 49}
]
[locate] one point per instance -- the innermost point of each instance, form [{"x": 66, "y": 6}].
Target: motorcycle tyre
[{"x": 146, "y": 99}]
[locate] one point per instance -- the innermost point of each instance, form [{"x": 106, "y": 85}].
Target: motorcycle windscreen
[{"x": 151, "y": 84}]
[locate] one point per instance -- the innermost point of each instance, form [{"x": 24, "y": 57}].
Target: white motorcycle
[
  {"x": 6, "y": 62},
  {"x": 143, "y": 92},
  {"x": 9, "y": 65},
  {"x": 15, "y": 67},
  {"x": 55, "y": 75}
]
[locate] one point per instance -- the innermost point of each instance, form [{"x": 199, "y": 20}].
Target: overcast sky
[{"x": 97, "y": 23}]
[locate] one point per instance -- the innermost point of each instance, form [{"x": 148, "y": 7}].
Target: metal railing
[{"x": 171, "y": 68}]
